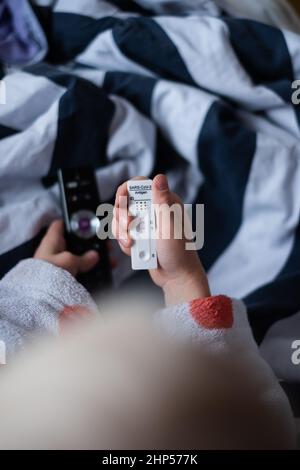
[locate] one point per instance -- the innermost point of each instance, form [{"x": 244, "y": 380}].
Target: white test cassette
[{"x": 143, "y": 251}]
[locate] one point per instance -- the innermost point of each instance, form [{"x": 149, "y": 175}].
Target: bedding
[{"x": 184, "y": 88}]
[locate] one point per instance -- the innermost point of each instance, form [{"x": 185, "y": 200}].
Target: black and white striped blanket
[{"x": 194, "y": 93}]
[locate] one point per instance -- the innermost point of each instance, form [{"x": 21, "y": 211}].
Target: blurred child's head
[{"x": 116, "y": 383}]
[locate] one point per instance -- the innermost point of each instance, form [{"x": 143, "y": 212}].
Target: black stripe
[
  {"x": 69, "y": 34},
  {"x": 263, "y": 52},
  {"x": 271, "y": 65},
  {"x": 131, "y": 6},
  {"x": 7, "y": 131},
  {"x": 145, "y": 42},
  {"x": 44, "y": 15},
  {"x": 135, "y": 88},
  {"x": 84, "y": 118},
  {"x": 297, "y": 111},
  {"x": 167, "y": 158},
  {"x": 226, "y": 150},
  {"x": 85, "y": 114},
  {"x": 271, "y": 303},
  {"x": 280, "y": 298},
  {"x": 9, "y": 259}
]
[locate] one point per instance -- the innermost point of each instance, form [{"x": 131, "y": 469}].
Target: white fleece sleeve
[
  {"x": 221, "y": 325},
  {"x": 218, "y": 322},
  {"x": 32, "y": 297}
]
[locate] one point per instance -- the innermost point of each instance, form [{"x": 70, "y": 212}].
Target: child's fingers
[
  {"x": 169, "y": 210},
  {"x": 77, "y": 264},
  {"x": 124, "y": 222},
  {"x": 115, "y": 224},
  {"x": 122, "y": 219},
  {"x": 161, "y": 192},
  {"x": 120, "y": 211},
  {"x": 120, "y": 227},
  {"x": 116, "y": 233},
  {"x": 54, "y": 241},
  {"x": 121, "y": 215},
  {"x": 125, "y": 250},
  {"x": 121, "y": 195},
  {"x": 88, "y": 261}
]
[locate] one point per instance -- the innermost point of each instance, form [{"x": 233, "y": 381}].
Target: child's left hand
[
  {"x": 53, "y": 249},
  {"x": 180, "y": 273}
]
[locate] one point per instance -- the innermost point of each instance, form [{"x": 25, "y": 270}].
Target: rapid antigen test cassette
[{"x": 143, "y": 251}]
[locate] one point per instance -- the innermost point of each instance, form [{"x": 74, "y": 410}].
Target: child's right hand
[
  {"x": 53, "y": 250},
  {"x": 180, "y": 273}
]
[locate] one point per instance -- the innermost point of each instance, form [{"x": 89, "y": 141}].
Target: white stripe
[
  {"x": 285, "y": 119},
  {"x": 280, "y": 122},
  {"x": 27, "y": 98},
  {"x": 180, "y": 112},
  {"x": 205, "y": 48},
  {"x": 276, "y": 13},
  {"x": 104, "y": 54},
  {"x": 139, "y": 151},
  {"x": 198, "y": 7},
  {"x": 276, "y": 348},
  {"x": 132, "y": 137},
  {"x": 185, "y": 181},
  {"x": 270, "y": 216},
  {"x": 22, "y": 218},
  {"x": 92, "y": 8},
  {"x": 293, "y": 43},
  {"x": 29, "y": 153}
]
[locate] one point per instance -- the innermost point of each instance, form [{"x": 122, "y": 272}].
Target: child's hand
[
  {"x": 53, "y": 249},
  {"x": 180, "y": 273}
]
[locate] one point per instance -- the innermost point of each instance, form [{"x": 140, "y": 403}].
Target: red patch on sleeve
[
  {"x": 212, "y": 312},
  {"x": 70, "y": 314}
]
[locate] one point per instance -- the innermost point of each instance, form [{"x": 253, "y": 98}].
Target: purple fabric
[{"x": 21, "y": 39}]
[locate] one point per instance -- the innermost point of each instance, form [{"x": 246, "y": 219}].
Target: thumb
[
  {"x": 87, "y": 261},
  {"x": 160, "y": 190},
  {"x": 169, "y": 209}
]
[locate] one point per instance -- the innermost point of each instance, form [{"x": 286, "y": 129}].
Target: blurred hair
[{"x": 115, "y": 382}]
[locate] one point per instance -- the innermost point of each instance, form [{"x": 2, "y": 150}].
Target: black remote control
[{"x": 80, "y": 199}]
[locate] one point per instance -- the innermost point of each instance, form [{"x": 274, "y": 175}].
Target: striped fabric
[{"x": 183, "y": 89}]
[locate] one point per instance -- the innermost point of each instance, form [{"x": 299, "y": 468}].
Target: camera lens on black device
[{"x": 84, "y": 224}]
